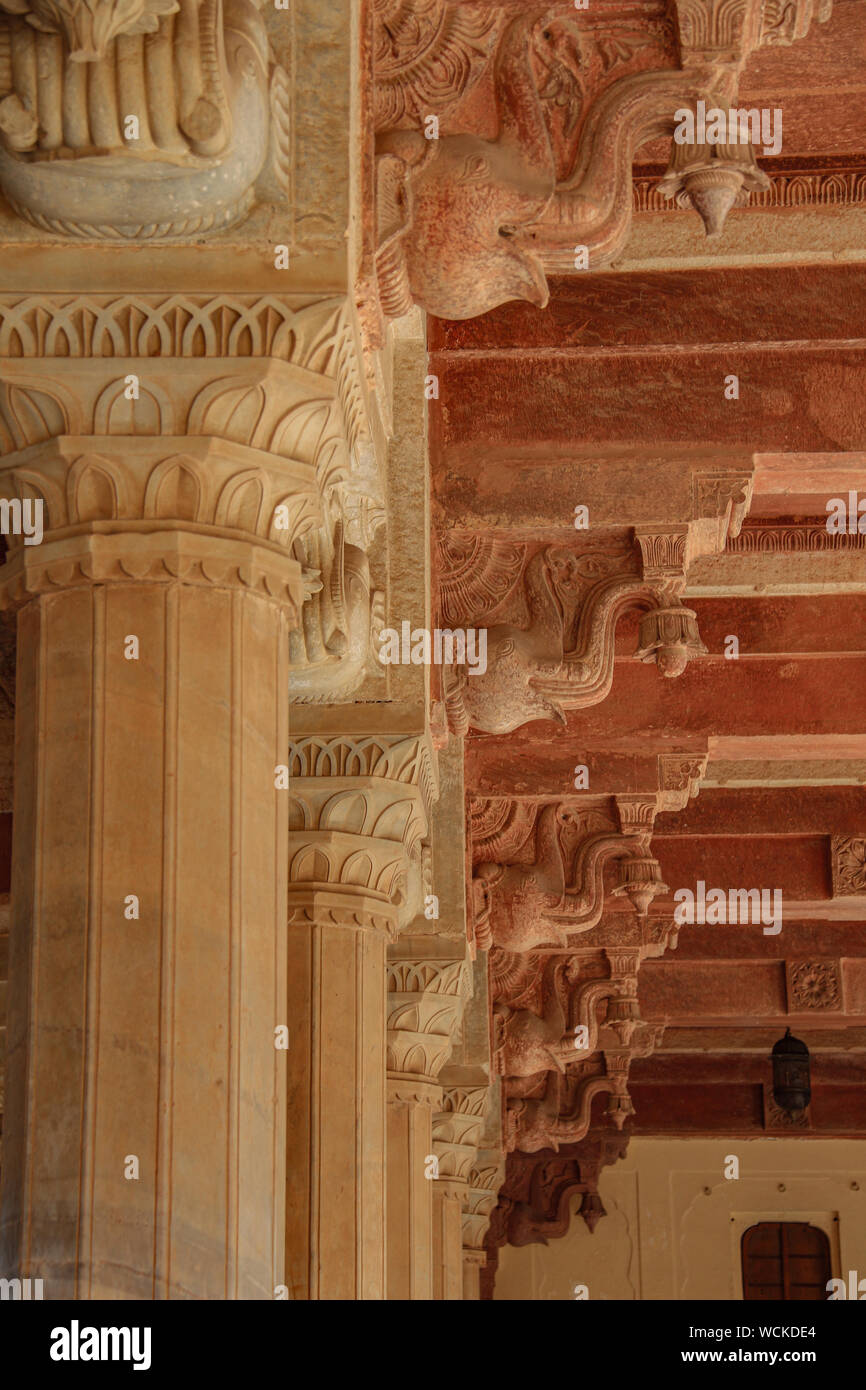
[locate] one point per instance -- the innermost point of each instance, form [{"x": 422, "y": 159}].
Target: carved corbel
[
  {"x": 358, "y": 814},
  {"x": 561, "y": 893},
  {"x": 528, "y": 1043},
  {"x": 482, "y": 191},
  {"x": 535, "y": 1201},
  {"x": 564, "y": 659},
  {"x": 561, "y": 1115},
  {"x": 465, "y": 221}
]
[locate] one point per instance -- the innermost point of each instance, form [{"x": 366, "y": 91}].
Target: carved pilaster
[
  {"x": 358, "y": 811},
  {"x": 457, "y": 1132}
]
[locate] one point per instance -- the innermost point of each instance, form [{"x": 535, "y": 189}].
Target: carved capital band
[{"x": 358, "y": 813}]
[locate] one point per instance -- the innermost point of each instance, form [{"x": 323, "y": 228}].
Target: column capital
[
  {"x": 358, "y": 818},
  {"x": 198, "y": 437},
  {"x": 426, "y": 999},
  {"x": 457, "y": 1132},
  {"x": 485, "y": 1179}
]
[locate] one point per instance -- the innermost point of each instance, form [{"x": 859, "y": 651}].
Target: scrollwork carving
[
  {"x": 561, "y": 892},
  {"x": 564, "y": 659}
]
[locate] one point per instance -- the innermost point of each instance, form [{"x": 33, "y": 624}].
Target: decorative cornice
[
  {"x": 792, "y": 537},
  {"x": 793, "y": 188},
  {"x": 298, "y": 329}
]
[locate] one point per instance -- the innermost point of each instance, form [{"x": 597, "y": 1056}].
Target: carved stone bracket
[
  {"x": 562, "y": 658},
  {"x": 546, "y": 165},
  {"x": 535, "y": 1200},
  {"x": 560, "y": 891}
]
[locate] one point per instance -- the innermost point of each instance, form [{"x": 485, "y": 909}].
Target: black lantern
[{"x": 791, "y": 1089}]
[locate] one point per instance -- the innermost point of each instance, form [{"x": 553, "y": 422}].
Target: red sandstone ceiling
[{"x": 612, "y": 397}]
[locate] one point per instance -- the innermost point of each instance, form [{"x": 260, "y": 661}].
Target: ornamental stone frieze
[
  {"x": 504, "y": 143},
  {"x": 358, "y": 818},
  {"x": 539, "y": 870},
  {"x": 550, "y": 637},
  {"x": 150, "y": 120}
]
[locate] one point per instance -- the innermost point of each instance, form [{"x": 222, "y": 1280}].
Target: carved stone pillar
[
  {"x": 357, "y": 820},
  {"x": 456, "y": 1135},
  {"x": 425, "y": 1003},
  {"x": 147, "y": 970}
]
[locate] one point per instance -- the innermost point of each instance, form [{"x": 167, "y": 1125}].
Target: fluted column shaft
[
  {"x": 357, "y": 818},
  {"x": 145, "y": 1099},
  {"x": 411, "y": 1178}
]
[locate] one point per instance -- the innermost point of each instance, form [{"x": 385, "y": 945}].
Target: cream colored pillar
[
  {"x": 448, "y": 1196},
  {"x": 410, "y": 1176},
  {"x": 145, "y": 1100},
  {"x": 426, "y": 998},
  {"x": 358, "y": 816},
  {"x": 456, "y": 1134},
  {"x": 473, "y": 1263}
]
